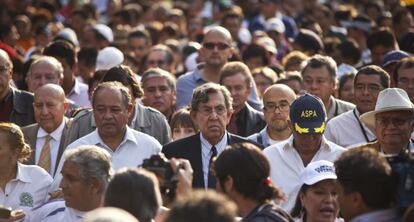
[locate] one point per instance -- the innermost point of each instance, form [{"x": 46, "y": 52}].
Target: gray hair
[
  {"x": 201, "y": 94},
  {"x": 94, "y": 163},
  {"x": 157, "y": 72},
  {"x": 57, "y": 66},
  {"x": 126, "y": 97},
  {"x": 319, "y": 61},
  {"x": 5, "y": 56}
]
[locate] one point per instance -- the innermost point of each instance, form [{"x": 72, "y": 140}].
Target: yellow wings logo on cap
[
  {"x": 301, "y": 130},
  {"x": 320, "y": 129}
]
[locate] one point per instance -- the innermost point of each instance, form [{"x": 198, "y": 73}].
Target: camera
[
  {"x": 160, "y": 166},
  {"x": 5, "y": 212}
]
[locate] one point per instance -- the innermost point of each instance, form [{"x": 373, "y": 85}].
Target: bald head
[
  {"x": 49, "y": 106},
  {"x": 220, "y": 30},
  {"x": 279, "y": 89}
]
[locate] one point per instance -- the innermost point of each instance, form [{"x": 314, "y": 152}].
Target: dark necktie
[{"x": 211, "y": 177}]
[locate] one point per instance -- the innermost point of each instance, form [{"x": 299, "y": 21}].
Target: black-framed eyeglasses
[
  {"x": 283, "y": 107},
  {"x": 219, "y": 45}
]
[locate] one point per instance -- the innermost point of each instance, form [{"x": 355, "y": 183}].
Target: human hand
[
  {"x": 184, "y": 174},
  {"x": 15, "y": 215}
]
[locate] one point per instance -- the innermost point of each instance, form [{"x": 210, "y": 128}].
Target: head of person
[
  {"x": 144, "y": 202},
  {"x": 216, "y": 47},
  {"x": 126, "y": 77},
  {"x": 276, "y": 104},
  {"x": 294, "y": 80},
  {"x": 255, "y": 56},
  {"x": 390, "y": 61},
  {"x": 317, "y": 197},
  {"x": 87, "y": 62},
  {"x": 14, "y": 148},
  {"x": 112, "y": 104},
  {"x": 346, "y": 87},
  {"x": 181, "y": 124},
  {"x": 211, "y": 110},
  {"x": 308, "y": 42},
  {"x": 365, "y": 182},
  {"x": 6, "y": 70},
  {"x": 242, "y": 170},
  {"x": 368, "y": 83},
  {"x": 263, "y": 77},
  {"x": 109, "y": 214},
  {"x": 49, "y": 106},
  {"x": 65, "y": 52},
  {"x": 392, "y": 119},
  {"x": 236, "y": 77},
  {"x": 160, "y": 56},
  {"x": 139, "y": 43},
  {"x": 85, "y": 175},
  {"x": 319, "y": 76},
  {"x": 159, "y": 90},
  {"x": 380, "y": 42},
  {"x": 404, "y": 77},
  {"x": 203, "y": 206},
  {"x": 98, "y": 36},
  {"x": 307, "y": 118},
  {"x": 294, "y": 61},
  {"x": 43, "y": 70}
]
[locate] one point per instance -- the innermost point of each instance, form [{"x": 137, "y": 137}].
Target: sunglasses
[{"x": 220, "y": 46}]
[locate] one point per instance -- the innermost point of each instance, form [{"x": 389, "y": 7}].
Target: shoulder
[
  {"x": 144, "y": 138},
  {"x": 334, "y": 147},
  {"x": 273, "y": 149},
  {"x": 344, "y": 104},
  {"x": 30, "y": 128},
  {"x": 35, "y": 172},
  {"x": 22, "y": 94},
  {"x": 49, "y": 208},
  {"x": 180, "y": 146},
  {"x": 149, "y": 111},
  {"x": 81, "y": 113},
  {"x": 269, "y": 213},
  {"x": 238, "y": 139},
  {"x": 87, "y": 139}
]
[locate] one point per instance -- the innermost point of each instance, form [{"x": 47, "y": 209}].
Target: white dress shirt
[
  {"x": 206, "y": 153},
  {"x": 132, "y": 151},
  {"x": 28, "y": 190},
  {"x": 55, "y": 211},
  {"x": 79, "y": 94},
  {"x": 54, "y": 145},
  {"x": 347, "y": 130},
  {"x": 286, "y": 166}
]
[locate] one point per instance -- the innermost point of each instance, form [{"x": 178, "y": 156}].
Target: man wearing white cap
[
  {"x": 393, "y": 122},
  {"x": 98, "y": 36}
]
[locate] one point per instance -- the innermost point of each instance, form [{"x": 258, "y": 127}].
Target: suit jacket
[
  {"x": 190, "y": 148},
  {"x": 30, "y": 134},
  {"x": 22, "y": 113}
]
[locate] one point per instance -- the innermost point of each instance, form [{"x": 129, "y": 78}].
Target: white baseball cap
[
  {"x": 105, "y": 31},
  {"x": 109, "y": 57},
  {"x": 317, "y": 171}
]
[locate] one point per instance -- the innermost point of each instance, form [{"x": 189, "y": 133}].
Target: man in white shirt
[
  {"x": 128, "y": 148},
  {"x": 276, "y": 100},
  {"x": 86, "y": 173},
  {"x": 307, "y": 144},
  {"x": 47, "y": 135},
  {"x": 346, "y": 129}
]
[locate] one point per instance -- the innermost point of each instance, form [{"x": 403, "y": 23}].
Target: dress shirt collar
[
  {"x": 129, "y": 136},
  {"x": 22, "y": 175},
  {"x": 220, "y": 146},
  {"x": 56, "y": 135},
  {"x": 76, "y": 88}
]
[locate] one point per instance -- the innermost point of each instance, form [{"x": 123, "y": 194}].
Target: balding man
[
  {"x": 43, "y": 70},
  {"x": 216, "y": 50},
  {"x": 276, "y": 101},
  {"x": 15, "y": 105},
  {"x": 46, "y": 137}
]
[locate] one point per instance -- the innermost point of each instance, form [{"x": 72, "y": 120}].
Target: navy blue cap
[
  {"x": 393, "y": 56},
  {"x": 307, "y": 115}
]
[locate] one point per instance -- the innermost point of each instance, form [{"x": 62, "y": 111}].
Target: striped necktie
[
  {"x": 211, "y": 178},
  {"x": 45, "y": 158}
]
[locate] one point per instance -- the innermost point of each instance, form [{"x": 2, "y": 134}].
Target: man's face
[
  {"x": 111, "y": 115},
  {"x": 75, "y": 190},
  {"x": 406, "y": 81},
  {"x": 212, "y": 117},
  {"x": 346, "y": 203},
  {"x": 159, "y": 95},
  {"x": 239, "y": 90},
  {"x": 49, "y": 109},
  {"x": 377, "y": 54},
  {"x": 41, "y": 74},
  {"x": 318, "y": 82},
  {"x": 137, "y": 48},
  {"x": 366, "y": 90},
  {"x": 5, "y": 76},
  {"x": 393, "y": 129},
  {"x": 68, "y": 71},
  {"x": 157, "y": 59},
  {"x": 216, "y": 49},
  {"x": 276, "y": 109}
]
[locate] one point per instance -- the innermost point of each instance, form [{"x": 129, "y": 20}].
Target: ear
[
  {"x": 301, "y": 197},
  {"x": 95, "y": 186},
  {"x": 193, "y": 115},
  {"x": 129, "y": 108}
]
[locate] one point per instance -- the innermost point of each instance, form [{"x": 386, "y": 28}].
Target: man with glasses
[
  {"x": 346, "y": 129},
  {"x": 211, "y": 109},
  {"x": 216, "y": 50},
  {"x": 160, "y": 56},
  {"x": 393, "y": 122},
  {"x": 319, "y": 79},
  {"x": 15, "y": 105},
  {"x": 276, "y": 100}
]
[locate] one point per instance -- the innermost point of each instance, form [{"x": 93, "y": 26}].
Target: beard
[{"x": 278, "y": 125}]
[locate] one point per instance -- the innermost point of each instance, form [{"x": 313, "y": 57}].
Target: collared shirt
[
  {"x": 28, "y": 190},
  {"x": 79, "y": 94},
  {"x": 189, "y": 81},
  {"x": 132, "y": 151},
  {"x": 54, "y": 145},
  {"x": 55, "y": 211},
  {"x": 338, "y": 107},
  {"x": 263, "y": 138},
  {"x": 286, "y": 165},
  {"x": 347, "y": 130},
  {"x": 206, "y": 153},
  {"x": 386, "y": 215}
]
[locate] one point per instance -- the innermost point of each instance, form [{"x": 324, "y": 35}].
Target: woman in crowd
[{"x": 182, "y": 125}]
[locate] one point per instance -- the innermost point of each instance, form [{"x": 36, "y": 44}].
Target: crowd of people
[{"x": 205, "y": 110}]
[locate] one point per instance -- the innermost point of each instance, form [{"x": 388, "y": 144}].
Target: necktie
[
  {"x": 211, "y": 177},
  {"x": 44, "y": 160}
]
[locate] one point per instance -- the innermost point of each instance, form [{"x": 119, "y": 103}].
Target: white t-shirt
[{"x": 55, "y": 212}]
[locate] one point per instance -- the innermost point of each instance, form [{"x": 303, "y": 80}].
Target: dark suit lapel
[
  {"x": 195, "y": 153},
  {"x": 62, "y": 142}
]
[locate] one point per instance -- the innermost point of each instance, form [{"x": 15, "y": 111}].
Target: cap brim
[
  {"x": 320, "y": 178},
  {"x": 369, "y": 117}
]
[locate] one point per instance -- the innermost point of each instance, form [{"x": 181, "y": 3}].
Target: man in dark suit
[
  {"x": 236, "y": 77},
  {"x": 47, "y": 136},
  {"x": 211, "y": 110}
]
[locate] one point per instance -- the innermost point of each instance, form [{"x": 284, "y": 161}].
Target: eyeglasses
[
  {"x": 395, "y": 121},
  {"x": 283, "y": 107},
  {"x": 219, "y": 45},
  {"x": 3, "y": 69},
  {"x": 372, "y": 88},
  {"x": 156, "y": 62},
  {"x": 207, "y": 111}
]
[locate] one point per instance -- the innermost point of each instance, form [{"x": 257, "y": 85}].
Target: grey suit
[
  {"x": 30, "y": 134},
  {"x": 22, "y": 113}
]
